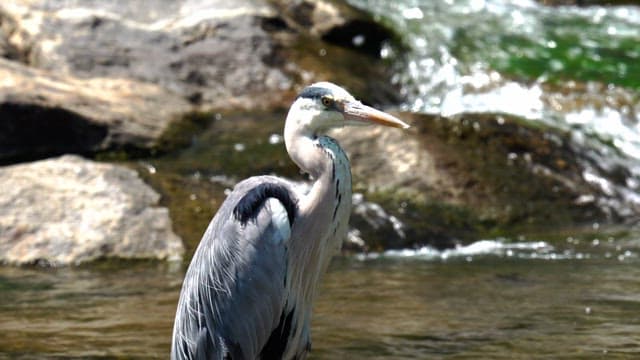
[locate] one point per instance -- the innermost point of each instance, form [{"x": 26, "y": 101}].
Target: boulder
[
  {"x": 452, "y": 180},
  {"x": 337, "y": 23},
  {"x": 43, "y": 113},
  {"x": 186, "y": 46},
  {"x": 69, "y": 210},
  {"x": 111, "y": 76},
  {"x": 102, "y": 76}
]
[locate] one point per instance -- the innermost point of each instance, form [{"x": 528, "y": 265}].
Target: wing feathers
[{"x": 234, "y": 294}]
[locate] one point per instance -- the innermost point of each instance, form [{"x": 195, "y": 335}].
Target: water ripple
[{"x": 532, "y": 250}]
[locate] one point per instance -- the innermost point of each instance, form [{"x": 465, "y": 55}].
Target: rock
[
  {"x": 337, "y": 23},
  {"x": 371, "y": 227},
  {"x": 458, "y": 179},
  {"x": 349, "y": 54},
  {"x": 106, "y": 76},
  {"x": 191, "y": 48},
  {"x": 42, "y": 113},
  {"x": 69, "y": 210}
]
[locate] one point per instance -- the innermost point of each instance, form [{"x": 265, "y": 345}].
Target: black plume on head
[{"x": 314, "y": 92}]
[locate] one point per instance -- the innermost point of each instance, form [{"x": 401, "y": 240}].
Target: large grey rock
[
  {"x": 45, "y": 113},
  {"x": 70, "y": 210},
  {"x": 98, "y": 75},
  {"x": 82, "y": 77},
  {"x": 210, "y": 52}
]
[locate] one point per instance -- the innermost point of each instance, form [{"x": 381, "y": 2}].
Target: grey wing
[{"x": 234, "y": 293}]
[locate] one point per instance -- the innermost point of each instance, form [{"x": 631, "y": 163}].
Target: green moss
[
  {"x": 237, "y": 145},
  {"x": 179, "y": 134},
  {"x": 191, "y": 201},
  {"x": 569, "y": 56},
  {"x": 511, "y": 177},
  {"x": 113, "y": 156},
  {"x": 431, "y": 222}
]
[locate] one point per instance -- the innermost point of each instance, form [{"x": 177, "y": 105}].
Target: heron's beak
[{"x": 360, "y": 113}]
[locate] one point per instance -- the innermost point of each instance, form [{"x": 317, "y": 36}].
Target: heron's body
[{"x": 249, "y": 290}]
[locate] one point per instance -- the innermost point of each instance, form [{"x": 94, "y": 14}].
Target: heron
[{"x": 249, "y": 289}]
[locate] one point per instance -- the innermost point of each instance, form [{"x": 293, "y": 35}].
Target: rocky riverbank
[
  {"x": 193, "y": 95},
  {"x": 104, "y": 77},
  {"x": 123, "y": 80}
]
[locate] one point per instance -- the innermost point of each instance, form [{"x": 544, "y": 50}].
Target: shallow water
[{"x": 482, "y": 301}]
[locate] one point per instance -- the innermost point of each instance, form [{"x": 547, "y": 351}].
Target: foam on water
[
  {"x": 478, "y": 248},
  {"x": 531, "y": 250},
  {"x": 458, "y": 48}
]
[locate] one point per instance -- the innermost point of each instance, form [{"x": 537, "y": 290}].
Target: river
[
  {"x": 489, "y": 300},
  {"x": 555, "y": 296}
]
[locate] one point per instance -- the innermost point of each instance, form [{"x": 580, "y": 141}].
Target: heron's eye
[{"x": 327, "y": 101}]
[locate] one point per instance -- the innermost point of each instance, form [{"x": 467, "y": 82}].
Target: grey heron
[{"x": 249, "y": 289}]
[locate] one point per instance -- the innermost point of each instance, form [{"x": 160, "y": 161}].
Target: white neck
[
  {"x": 324, "y": 211},
  {"x": 299, "y": 140}
]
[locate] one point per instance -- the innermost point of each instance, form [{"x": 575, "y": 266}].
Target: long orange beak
[{"x": 358, "y": 112}]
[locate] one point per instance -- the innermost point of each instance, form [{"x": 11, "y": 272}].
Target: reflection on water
[
  {"x": 485, "y": 308},
  {"x": 104, "y": 310},
  {"x": 483, "y": 304}
]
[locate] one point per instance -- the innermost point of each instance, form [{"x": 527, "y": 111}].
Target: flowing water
[
  {"x": 526, "y": 303},
  {"x": 574, "y": 297},
  {"x": 489, "y": 300},
  {"x": 571, "y": 68}
]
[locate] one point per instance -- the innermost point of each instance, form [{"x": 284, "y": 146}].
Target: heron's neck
[
  {"x": 323, "y": 215},
  {"x": 302, "y": 146},
  {"x": 318, "y": 155},
  {"x": 328, "y": 165},
  {"x": 326, "y": 206}
]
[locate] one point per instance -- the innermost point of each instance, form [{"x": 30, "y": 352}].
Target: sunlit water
[
  {"x": 572, "y": 68},
  {"x": 491, "y": 299},
  {"x": 493, "y": 55}
]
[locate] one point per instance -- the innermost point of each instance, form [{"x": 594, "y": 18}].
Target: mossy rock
[{"x": 455, "y": 180}]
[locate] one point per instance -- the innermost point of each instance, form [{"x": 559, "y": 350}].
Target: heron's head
[{"x": 322, "y": 106}]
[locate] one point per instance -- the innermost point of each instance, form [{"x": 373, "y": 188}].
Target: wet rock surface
[
  {"x": 132, "y": 71},
  {"x": 69, "y": 210},
  {"x": 44, "y": 114},
  {"x": 191, "y": 48},
  {"x": 125, "y": 69},
  {"x": 451, "y": 180}
]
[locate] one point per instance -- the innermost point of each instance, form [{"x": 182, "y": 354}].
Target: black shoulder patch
[
  {"x": 277, "y": 343},
  {"x": 251, "y": 203},
  {"x": 314, "y": 92}
]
